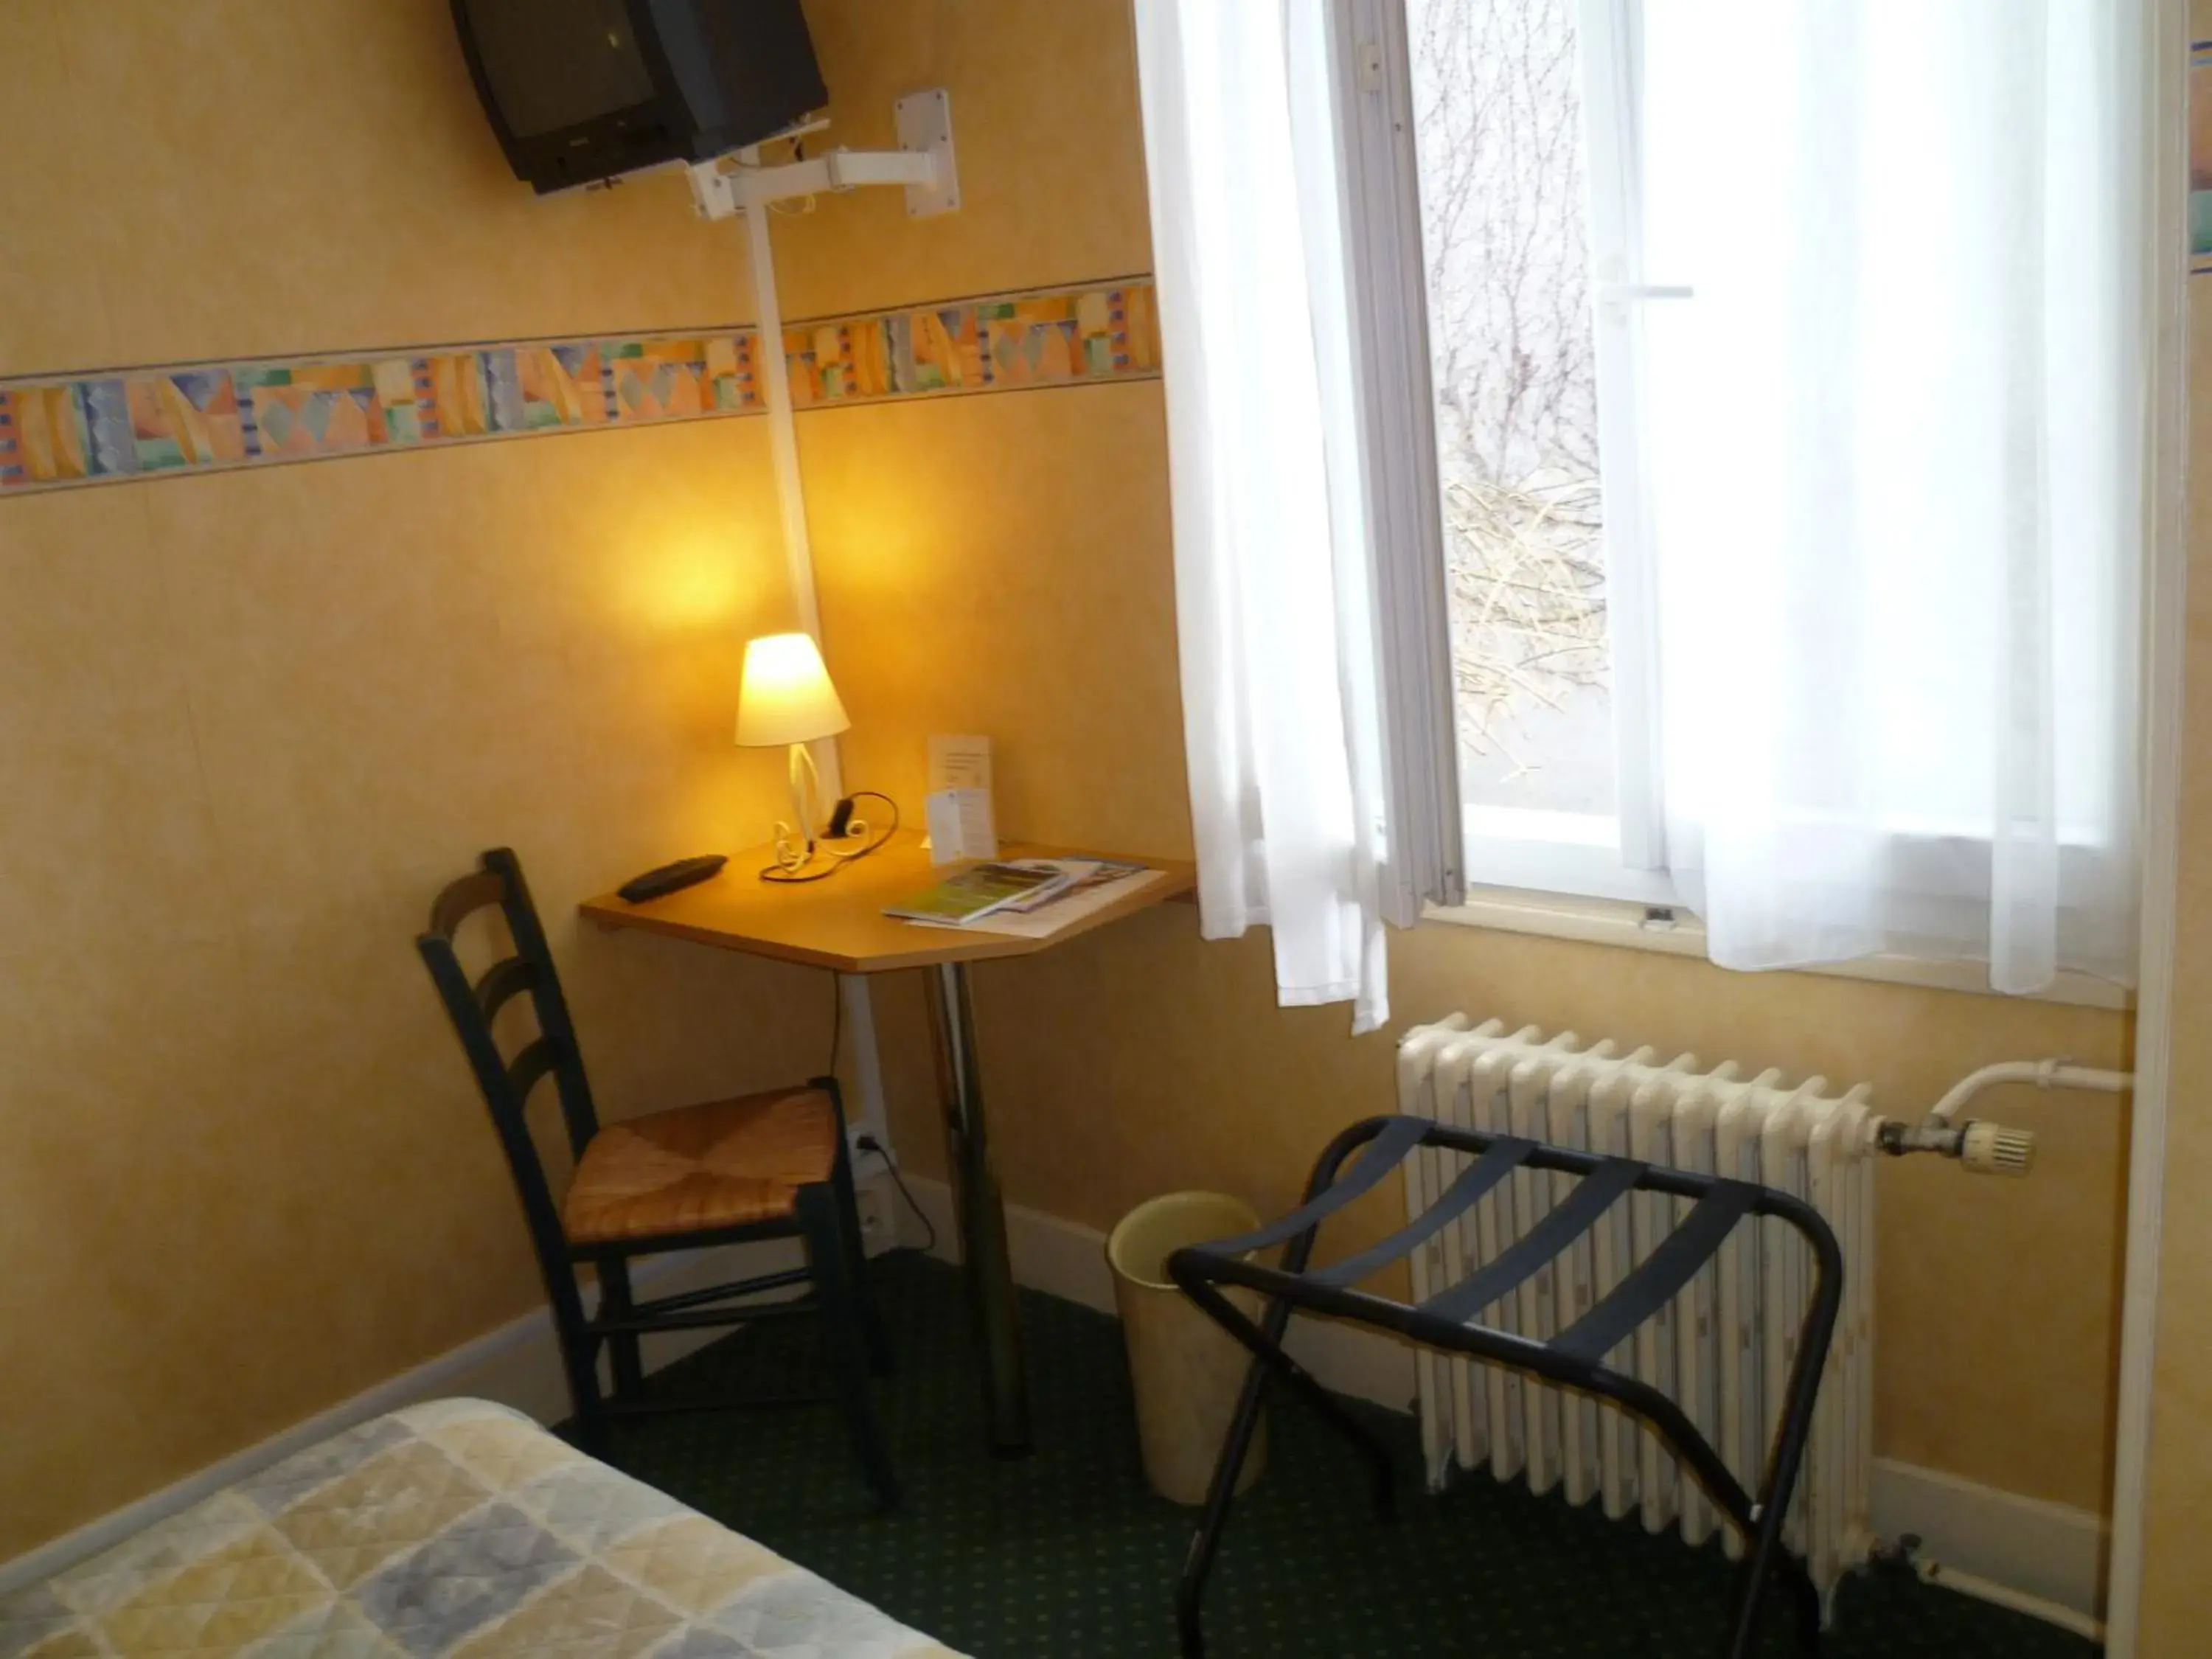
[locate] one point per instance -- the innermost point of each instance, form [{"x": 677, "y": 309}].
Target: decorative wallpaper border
[
  {"x": 1002, "y": 343},
  {"x": 145, "y": 423},
  {"x": 64, "y": 432}
]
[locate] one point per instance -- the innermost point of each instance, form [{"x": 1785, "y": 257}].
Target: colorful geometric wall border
[
  {"x": 139, "y": 423},
  {"x": 64, "y": 432},
  {"x": 1003, "y": 344}
]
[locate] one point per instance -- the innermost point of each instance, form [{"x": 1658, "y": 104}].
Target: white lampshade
[{"x": 786, "y": 696}]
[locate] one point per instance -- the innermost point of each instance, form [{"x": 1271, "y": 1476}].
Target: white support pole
[
  {"x": 782, "y": 438},
  {"x": 925, "y": 168},
  {"x": 853, "y": 991},
  {"x": 868, "y": 1114},
  {"x": 783, "y": 454}
]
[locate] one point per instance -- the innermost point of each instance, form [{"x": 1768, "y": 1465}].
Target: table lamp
[{"x": 786, "y": 698}]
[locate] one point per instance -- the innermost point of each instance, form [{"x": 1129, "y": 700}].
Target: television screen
[{"x": 557, "y": 63}]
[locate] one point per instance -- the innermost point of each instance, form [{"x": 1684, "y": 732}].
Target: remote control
[{"x": 671, "y": 877}]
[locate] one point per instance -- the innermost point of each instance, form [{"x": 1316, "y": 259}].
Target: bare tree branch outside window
[{"x": 1499, "y": 137}]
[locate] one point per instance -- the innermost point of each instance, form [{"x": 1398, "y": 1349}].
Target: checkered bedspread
[{"x": 454, "y": 1529}]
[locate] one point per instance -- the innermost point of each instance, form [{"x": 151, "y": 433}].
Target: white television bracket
[{"x": 922, "y": 165}]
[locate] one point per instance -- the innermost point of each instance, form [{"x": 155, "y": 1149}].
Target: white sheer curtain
[
  {"x": 1271, "y": 590},
  {"x": 1894, "y": 464}
]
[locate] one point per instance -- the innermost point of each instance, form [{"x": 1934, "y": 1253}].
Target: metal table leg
[{"x": 980, "y": 1212}]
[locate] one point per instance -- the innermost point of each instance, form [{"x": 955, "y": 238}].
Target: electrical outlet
[{"x": 878, "y": 1204}]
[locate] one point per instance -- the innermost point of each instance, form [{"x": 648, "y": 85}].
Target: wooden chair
[{"x": 762, "y": 1166}]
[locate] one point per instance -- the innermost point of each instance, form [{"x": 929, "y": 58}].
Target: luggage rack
[{"x": 1575, "y": 1358}]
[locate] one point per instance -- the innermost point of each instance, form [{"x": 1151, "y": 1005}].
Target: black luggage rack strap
[{"x": 1575, "y": 1358}]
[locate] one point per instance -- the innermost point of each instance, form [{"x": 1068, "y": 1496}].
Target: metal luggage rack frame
[{"x": 1575, "y": 1358}]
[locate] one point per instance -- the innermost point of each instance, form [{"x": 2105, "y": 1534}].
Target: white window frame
[
  {"x": 1541, "y": 872},
  {"x": 1437, "y": 840},
  {"x": 1576, "y": 854},
  {"x": 1609, "y": 38},
  {"x": 1423, "y": 850}
]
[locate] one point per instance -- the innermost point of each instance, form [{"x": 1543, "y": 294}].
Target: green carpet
[{"x": 1068, "y": 1553}]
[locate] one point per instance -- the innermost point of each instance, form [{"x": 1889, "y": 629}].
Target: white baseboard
[
  {"x": 517, "y": 1365},
  {"x": 2035, "y": 1552},
  {"x": 2048, "y": 1551},
  {"x": 2039, "y": 1551}
]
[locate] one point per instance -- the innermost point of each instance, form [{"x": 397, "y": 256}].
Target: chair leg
[
  {"x": 844, "y": 1341},
  {"x": 880, "y": 1356},
  {"x": 623, "y": 1354},
  {"x": 579, "y": 1359}
]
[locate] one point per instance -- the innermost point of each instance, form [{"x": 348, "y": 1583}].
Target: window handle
[
  {"x": 1615, "y": 293},
  {"x": 1614, "y": 299}
]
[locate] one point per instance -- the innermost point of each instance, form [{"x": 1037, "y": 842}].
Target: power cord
[
  {"x": 870, "y": 1144},
  {"x": 792, "y": 869}
]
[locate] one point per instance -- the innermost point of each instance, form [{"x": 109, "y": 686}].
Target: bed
[{"x": 452, "y": 1530}]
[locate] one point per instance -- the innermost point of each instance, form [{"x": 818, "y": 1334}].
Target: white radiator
[{"x": 1722, "y": 1351}]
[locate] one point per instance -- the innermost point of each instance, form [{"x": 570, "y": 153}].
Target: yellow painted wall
[
  {"x": 250, "y": 721},
  {"x": 241, "y": 1175},
  {"x": 1001, "y": 564},
  {"x": 2177, "y": 1518}
]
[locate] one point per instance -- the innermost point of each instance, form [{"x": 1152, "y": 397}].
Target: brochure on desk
[
  {"x": 1091, "y": 885},
  {"x": 964, "y": 898}
]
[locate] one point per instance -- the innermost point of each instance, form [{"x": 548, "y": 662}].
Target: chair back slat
[
  {"x": 528, "y": 1068},
  {"x": 499, "y": 983},
  {"x": 545, "y": 996},
  {"x": 464, "y": 898},
  {"x": 471, "y": 1006}
]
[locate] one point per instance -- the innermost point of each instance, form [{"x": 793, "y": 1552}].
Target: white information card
[
  {"x": 959, "y": 763},
  {"x": 960, "y": 825},
  {"x": 958, "y": 808}
]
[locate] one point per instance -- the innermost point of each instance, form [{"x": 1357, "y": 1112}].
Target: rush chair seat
[
  {"x": 721, "y": 1164},
  {"x": 759, "y": 1166}
]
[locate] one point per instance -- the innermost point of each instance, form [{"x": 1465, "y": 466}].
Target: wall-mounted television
[{"x": 581, "y": 90}]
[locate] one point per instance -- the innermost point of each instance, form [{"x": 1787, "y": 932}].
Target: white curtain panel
[
  {"x": 1272, "y": 594},
  {"x": 1895, "y": 453}
]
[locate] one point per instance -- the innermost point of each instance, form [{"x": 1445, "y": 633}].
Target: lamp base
[{"x": 794, "y": 841}]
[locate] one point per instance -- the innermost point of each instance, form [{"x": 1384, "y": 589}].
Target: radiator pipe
[
  {"x": 2042, "y": 1074},
  {"x": 2003, "y": 1596},
  {"x": 1989, "y": 1148}
]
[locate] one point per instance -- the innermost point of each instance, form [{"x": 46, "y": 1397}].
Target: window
[
  {"x": 1549, "y": 705},
  {"x": 1751, "y": 403}
]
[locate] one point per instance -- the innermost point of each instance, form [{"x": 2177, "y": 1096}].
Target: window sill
[{"x": 1608, "y": 921}]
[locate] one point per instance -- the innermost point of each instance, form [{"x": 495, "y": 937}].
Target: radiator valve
[
  {"x": 1981, "y": 1148},
  {"x": 1992, "y": 1149}
]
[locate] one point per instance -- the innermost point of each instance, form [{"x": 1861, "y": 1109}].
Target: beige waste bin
[{"x": 1186, "y": 1370}]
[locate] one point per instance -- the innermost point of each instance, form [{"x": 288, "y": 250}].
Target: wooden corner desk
[{"x": 838, "y": 923}]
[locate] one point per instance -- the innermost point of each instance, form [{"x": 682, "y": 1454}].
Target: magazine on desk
[
  {"x": 1036, "y": 898},
  {"x": 963, "y": 899}
]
